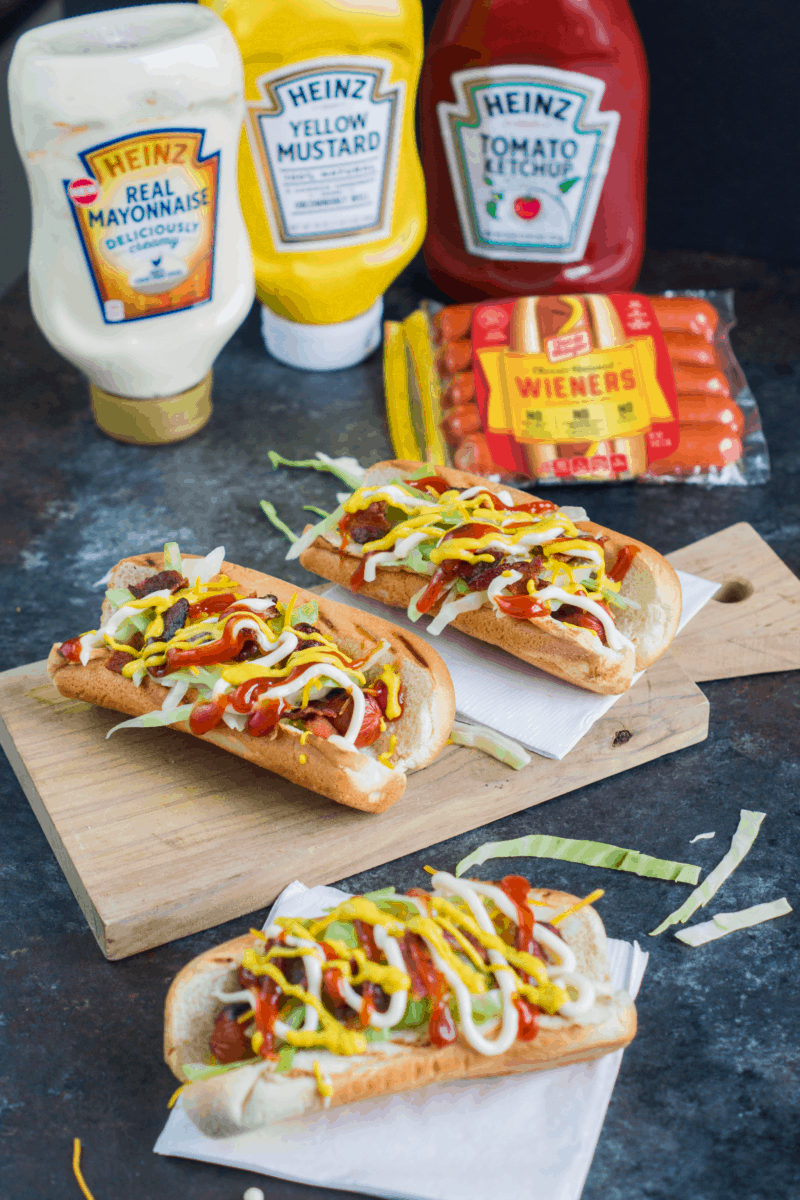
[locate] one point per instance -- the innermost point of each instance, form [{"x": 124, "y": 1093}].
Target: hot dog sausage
[{"x": 709, "y": 410}]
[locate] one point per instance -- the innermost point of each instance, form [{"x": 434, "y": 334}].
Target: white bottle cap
[{"x": 322, "y": 347}]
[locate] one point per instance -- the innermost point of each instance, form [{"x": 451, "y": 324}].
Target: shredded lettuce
[
  {"x": 376, "y": 1035},
  {"x": 724, "y": 923},
  {"x": 285, "y": 1059},
  {"x": 195, "y": 1071},
  {"x": 204, "y": 680},
  {"x": 380, "y": 894},
  {"x": 152, "y": 720},
  {"x": 134, "y": 624},
  {"x": 490, "y": 742},
  {"x": 116, "y": 597},
  {"x": 352, "y": 474},
  {"x": 172, "y": 557},
  {"x": 490, "y": 1004},
  {"x": 746, "y": 834},
  {"x": 615, "y": 598},
  {"x": 419, "y": 559},
  {"x": 270, "y": 513},
  {"x": 310, "y": 536},
  {"x": 342, "y": 931},
  {"x": 591, "y": 854},
  {"x": 306, "y": 614},
  {"x": 701, "y": 837},
  {"x": 320, "y": 512},
  {"x": 417, "y": 1013}
]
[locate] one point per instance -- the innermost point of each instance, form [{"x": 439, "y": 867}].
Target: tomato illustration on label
[
  {"x": 146, "y": 216},
  {"x": 527, "y": 207}
]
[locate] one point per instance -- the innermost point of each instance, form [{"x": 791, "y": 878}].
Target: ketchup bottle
[{"x": 533, "y": 147}]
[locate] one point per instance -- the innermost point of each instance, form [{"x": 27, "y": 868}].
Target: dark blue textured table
[{"x": 706, "y": 1105}]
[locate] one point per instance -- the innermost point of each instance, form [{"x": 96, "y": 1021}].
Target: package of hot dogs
[{"x": 576, "y": 389}]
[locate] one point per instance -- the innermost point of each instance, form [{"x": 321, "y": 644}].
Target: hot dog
[
  {"x": 701, "y": 447},
  {"x": 710, "y": 410},
  {"x": 548, "y": 586},
  {"x": 390, "y": 993},
  {"x": 341, "y": 703},
  {"x": 691, "y": 329}
]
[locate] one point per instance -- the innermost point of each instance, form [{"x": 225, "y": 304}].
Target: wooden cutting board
[
  {"x": 160, "y": 835},
  {"x": 752, "y": 625}
]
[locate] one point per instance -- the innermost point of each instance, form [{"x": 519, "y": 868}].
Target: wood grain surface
[
  {"x": 160, "y": 835},
  {"x": 754, "y": 625}
]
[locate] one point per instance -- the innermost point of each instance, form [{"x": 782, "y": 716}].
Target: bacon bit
[
  {"x": 118, "y": 660},
  {"x": 158, "y": 583},
  {"x": 368, "y": 525},
  {"x": 320, "y": 726},
  {"x": 174, "y": 620}
]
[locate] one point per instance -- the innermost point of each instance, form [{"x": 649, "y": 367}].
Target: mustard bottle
[{"x": 330, "y": 180}]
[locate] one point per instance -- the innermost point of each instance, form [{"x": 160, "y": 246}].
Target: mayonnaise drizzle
[
  {"x": 564, "y": 971},
  {"x": 615, "y": 639},
  {"x": 499, "y": 584},
  {"x": 326, "y": 670},
  {"x": 117, "y": 618},
  {"x": 449, "y": 611}
]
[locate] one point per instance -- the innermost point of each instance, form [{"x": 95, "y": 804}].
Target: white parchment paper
[
  {"x": 531, "y": 1136},
  {"x": 493, "y": 688}
]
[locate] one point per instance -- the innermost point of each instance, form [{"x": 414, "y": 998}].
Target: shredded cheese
[
  {"x": 324, "y": 1084},
  {"x": 387, "y": 754},
  {"x": 76, "y": 1167}
]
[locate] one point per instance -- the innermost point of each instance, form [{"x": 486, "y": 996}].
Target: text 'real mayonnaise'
[
  {"x": 128, "y": 125},
  {"x": 329, "y": 176}
]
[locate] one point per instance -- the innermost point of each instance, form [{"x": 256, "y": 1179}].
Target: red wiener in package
[
  {"x": 574, "y": 386},
  {"x": 589, "y": 388}
]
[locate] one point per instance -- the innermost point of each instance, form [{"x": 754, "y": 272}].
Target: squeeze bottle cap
[
  {"x": 152, "y": 422},
  {"x": 322, "y": 347}
]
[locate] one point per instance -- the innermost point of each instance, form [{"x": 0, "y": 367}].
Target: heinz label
[
  {"x": 574, "y": 386},
  {"x": 146, "y": 213},
  {"x": 324, "y": 140},
  {"x": 528, "y": 151}
]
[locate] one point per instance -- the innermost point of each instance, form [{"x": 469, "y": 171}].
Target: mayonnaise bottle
[
  {"x": 128, "y": 126},
  {"x": 329, "y": 175}
]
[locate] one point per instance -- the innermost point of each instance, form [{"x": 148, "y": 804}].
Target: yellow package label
[
  {"x": 598, "y": 395},
  {"x": 146, "y": 216}
]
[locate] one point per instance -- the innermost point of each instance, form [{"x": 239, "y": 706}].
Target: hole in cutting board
[{"x": 733, "y": 591}]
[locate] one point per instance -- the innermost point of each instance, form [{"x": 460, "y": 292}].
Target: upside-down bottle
[
  {"x": 329, "y": 175},
  {"x": 128, "y": 126},
  {"x": 533, "y": 147}
]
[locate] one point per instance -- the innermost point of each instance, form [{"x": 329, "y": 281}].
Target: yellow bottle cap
[{"x": 152, "y": 422}]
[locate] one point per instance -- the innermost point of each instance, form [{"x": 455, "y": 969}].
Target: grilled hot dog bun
[
  {"x": 254, "y": 1095},
  {"x": 567, "y": 651},
  {"x": 352, "y": 777}
]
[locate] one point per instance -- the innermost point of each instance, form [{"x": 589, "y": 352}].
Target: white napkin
[
  {"x": 531, "y": 1135},
  {"x": 493, "y": 688}
]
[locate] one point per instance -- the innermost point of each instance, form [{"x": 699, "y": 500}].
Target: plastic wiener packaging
[{"x": 576, "y": 389}]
